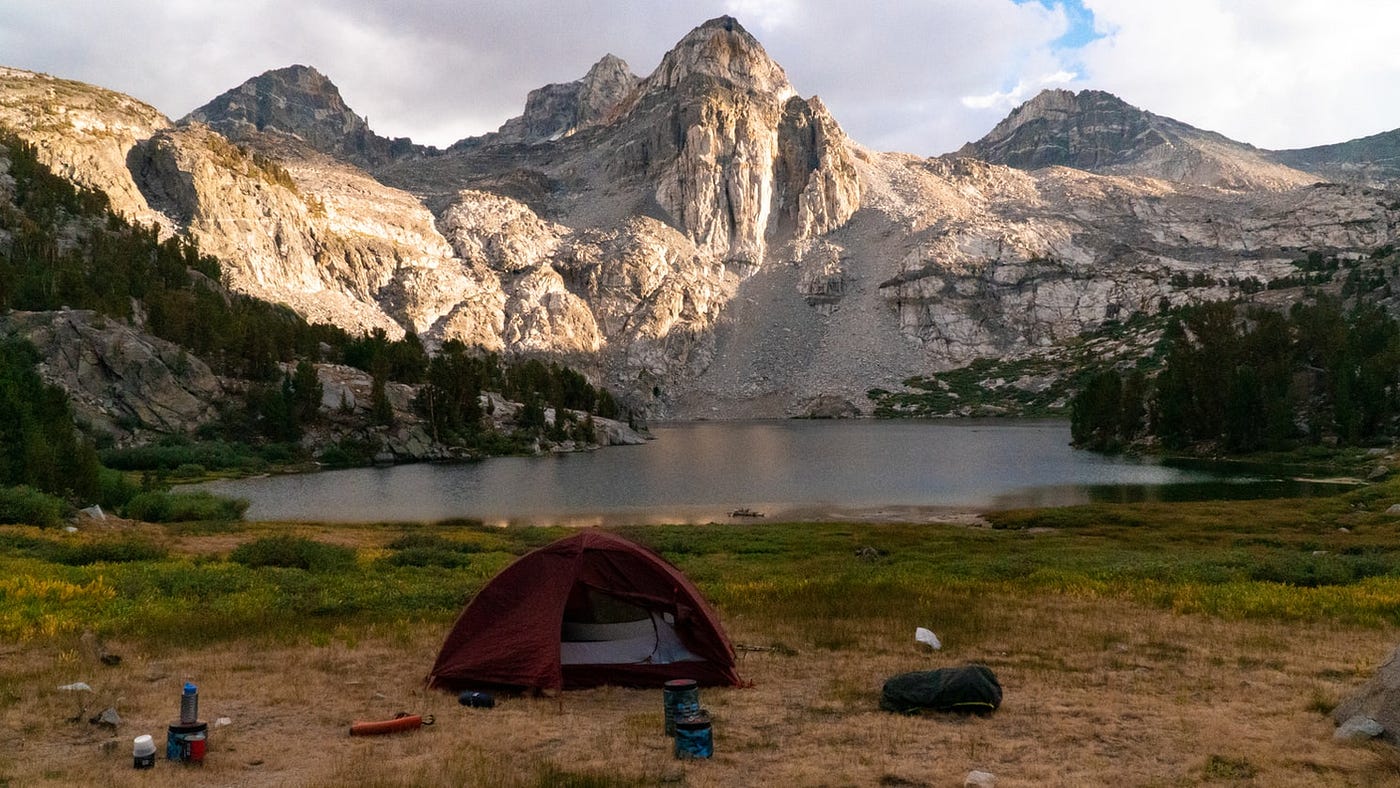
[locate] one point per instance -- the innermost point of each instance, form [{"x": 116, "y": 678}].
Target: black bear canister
[{"x": 694, "y": 736}]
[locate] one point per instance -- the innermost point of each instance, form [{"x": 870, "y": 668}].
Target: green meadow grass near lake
[{"x": 1318, "y": 559}]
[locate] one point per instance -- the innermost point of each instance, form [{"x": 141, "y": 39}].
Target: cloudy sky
[{"x": 922, "y": 76}]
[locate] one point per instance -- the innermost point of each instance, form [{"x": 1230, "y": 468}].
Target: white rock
[
  {"x": 927, "y": 637},
  {"x": 1358, "y": 728}
]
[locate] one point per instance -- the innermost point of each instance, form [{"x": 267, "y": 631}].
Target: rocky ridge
[
  {"x": 1098, "y": 132},
  {"x": 557, "y": 111},
  {"x": 301, "y": 101},
  {"x": 708, "y": 242},
  {"x": 1372, "y": 160}
]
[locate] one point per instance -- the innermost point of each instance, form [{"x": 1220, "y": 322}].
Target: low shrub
[
  {"x": 115, "y": 489},
  {"x": 432, "y": 541},
  {"x": 174, "y": 507},
  {"x": 429, "y": 549},
  {"x": 189, "y": 470},
  {"x": 349, "y": 453},
  {"x": 428, "y": 556},
  {"x": 210, "y": 455},
  {"x": 293, "y": 552},
  {"x": 28, "y": 506},
  {"x": 109, "y": 551}
]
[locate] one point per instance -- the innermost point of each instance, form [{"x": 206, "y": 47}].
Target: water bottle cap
[{"x": 190, "y": 688}]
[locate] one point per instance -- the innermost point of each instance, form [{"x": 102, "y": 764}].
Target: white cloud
[
  {"x": 1282, "y": 74},
  {"x": 1009, "y": 99},
  {"x": 767, "y": 14},
  {"x": 917, "y": 75}
]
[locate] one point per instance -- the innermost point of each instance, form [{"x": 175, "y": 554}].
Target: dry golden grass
[{"x": 1098, "y": 692}]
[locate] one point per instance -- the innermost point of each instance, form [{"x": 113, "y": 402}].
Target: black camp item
[{"x": 967, "y": 689}]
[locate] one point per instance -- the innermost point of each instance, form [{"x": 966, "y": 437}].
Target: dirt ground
[{"x": 1096, "y": 693}]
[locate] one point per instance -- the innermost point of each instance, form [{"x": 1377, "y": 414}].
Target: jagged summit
[
  {"x": 556, "y": 111},
  {"x": 301, "y": 101},
  {"x": 1097, "y": 131},
  {"x": 723, "y": 50}
]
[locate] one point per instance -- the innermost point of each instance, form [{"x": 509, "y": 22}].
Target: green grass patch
[{"x": 1220, "y": 767}]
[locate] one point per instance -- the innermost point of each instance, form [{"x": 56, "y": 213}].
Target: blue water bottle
[{"x": 189, "y": 705}]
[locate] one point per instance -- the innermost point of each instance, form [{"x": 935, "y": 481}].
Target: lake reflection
[{"x": 700, "y": 472}]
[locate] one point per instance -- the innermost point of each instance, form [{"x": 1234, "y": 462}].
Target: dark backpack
[{"x": 969, "y": 689}]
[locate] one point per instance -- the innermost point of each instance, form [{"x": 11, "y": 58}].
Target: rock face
[
  {"x": 1099, "y": 132},
  {"x": 83, "y": 133},
  {"x": 704, "y": 240},
  {"x": 315, "y": 234},
  {"x": 556, "y": 111},
  {"x": 301, "y": 101},
  {"x": 118, "y": 379}
]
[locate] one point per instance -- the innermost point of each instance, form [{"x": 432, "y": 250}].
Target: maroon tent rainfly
[{"x": 589, "y": 609}]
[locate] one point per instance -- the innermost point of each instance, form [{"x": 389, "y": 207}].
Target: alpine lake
[{"x": 701, "y": 472}]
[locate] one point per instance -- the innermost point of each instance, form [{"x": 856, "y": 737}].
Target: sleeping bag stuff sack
[{"x": 969, "y": 689}]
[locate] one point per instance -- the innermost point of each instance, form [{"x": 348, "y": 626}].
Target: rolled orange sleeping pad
[{"x": 399, "y": 724}]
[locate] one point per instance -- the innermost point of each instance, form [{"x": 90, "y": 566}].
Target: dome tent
[{"x": 590, "y": 609}]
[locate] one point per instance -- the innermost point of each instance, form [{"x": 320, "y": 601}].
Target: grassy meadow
[{"x": 1138, "y": 644}]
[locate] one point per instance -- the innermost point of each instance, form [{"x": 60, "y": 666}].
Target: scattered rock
[
  {"x": 108, "y": 717},
  {"x": 869, "y": 553},
  {"x": 77, "y": 686},
  {"x": 1393, "y": 509},
  {"x": 222, "y": 721},
  {"x": 1358, "y": 728},
  {"x": 831, "y": 406},
  {"x": 980, "y": 779},
  {"x": 1377, "y": 473}
]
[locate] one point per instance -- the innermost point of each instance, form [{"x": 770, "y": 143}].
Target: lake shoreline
[{"x": 784, "y": 470}]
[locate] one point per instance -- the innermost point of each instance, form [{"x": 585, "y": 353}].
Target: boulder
[{"x": 1378, "y": 700}]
